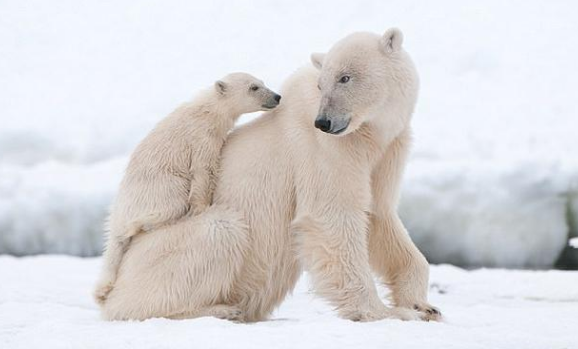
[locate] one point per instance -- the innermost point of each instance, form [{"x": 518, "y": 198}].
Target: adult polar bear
[{"x": 290, "y": 195}]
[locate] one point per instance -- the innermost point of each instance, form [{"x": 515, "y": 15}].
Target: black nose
[
  {"x": 277, "y": 98},
  {"x": 323, "y": 123}
]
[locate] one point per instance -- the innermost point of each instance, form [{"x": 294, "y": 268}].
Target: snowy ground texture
[
  {"x": 493, "y": 178},
  {"x": 45, "y": 303}
]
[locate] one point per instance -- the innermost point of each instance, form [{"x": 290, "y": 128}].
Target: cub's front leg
[{"x": 202, "y": 187}]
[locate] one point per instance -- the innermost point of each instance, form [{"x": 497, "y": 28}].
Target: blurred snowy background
[{"x": 493, "y": 178}]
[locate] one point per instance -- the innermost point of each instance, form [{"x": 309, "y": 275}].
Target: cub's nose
[
  {"x": 323, "y": 123},
  {"x": 277, "y": 98}
]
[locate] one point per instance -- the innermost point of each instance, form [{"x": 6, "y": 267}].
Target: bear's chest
[{"x": 333, "y": 179}]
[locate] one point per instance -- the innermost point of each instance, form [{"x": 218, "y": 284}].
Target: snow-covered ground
[
  {"x": 493, "y": 178},
  {"x": 45, "y": 303}
]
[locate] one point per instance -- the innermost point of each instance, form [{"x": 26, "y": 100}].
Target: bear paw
[
  {"x": 101, "y": 292},
  {"x": 428, "y": 312},
  {"x": 403, "y": 314},
  {"x": 231, "y": 314}
]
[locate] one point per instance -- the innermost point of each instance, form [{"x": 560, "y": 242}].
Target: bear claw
[{"x": 430, "y": 312}]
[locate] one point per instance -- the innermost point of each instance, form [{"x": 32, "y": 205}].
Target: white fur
[
  {"x": 172, "y": 171},
  {"x": 290, "y": 197}
]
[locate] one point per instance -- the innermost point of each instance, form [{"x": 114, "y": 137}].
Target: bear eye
[
  {"x": 344, "y": 79},
  {"x": 254, "y": 88}
]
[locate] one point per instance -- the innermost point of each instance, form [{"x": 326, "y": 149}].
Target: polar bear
[
  {"x": 172, "y": 171},
  {"x": 311, "y": 185}
]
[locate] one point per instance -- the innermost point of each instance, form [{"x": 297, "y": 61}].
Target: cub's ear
[
  {"x": 391, "y": 40},
  {"x": 317, "y": 59},
  {"x": 220, "y": 87}
]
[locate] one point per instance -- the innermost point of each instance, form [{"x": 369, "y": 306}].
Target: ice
[
  {"x": 54, "y": 207},
  {"x": 486, "y": 215},
  {"x": 45, "y": 303},
  {"x": 493, "y": 175}
]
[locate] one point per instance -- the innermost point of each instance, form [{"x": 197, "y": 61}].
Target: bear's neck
[
  {"x": 210, "y": 110},
  {"x": 387, "y": 121}
]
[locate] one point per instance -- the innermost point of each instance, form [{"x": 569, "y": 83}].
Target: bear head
[{"x": 366, "y": 78}]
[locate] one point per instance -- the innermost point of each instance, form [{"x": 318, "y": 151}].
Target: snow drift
[{"x": 486, "y": 215}]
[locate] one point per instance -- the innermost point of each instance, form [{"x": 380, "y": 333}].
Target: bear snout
[
  {"x": 334, "y": 125},
  {"x": 323, "y": 123},
  {"x": 272, "y": 101}
]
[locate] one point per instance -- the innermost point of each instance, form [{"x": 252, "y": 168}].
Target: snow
[
  {"x": 510, "y": 216},
  {"x": 493, "y": 176},
  {"x": 45, "y": 303},
  {"x": 56, "y": 207}
]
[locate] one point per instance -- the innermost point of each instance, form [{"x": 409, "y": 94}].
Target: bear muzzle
[
  {"x": 272, "y": 102},
  {"x": 331, "y": 125}
]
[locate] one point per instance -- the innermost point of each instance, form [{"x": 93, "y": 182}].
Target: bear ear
[
  {"x": 317, "y": 59},
  {"x": 391, "y": 40},
  {"x": 220, "y": 87}
]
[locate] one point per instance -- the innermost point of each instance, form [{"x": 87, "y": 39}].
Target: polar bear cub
[{"x": 171, "y": 173}]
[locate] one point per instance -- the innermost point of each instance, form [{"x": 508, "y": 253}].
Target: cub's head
[
  {"x": 365, "y": 78},
  {"x": 244, "y": 93}
]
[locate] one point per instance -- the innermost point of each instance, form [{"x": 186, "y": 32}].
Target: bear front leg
[
  {"x": 337, "y": 260},
  {"x": 400, "y": 264},
  {"x": 201, "y": 192},
  {"x": 392, "y": 254}
]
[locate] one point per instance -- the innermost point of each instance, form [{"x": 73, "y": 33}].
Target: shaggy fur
[
  {"x": 291, "y": 196},
  {"x": 171, "y": 173}
]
